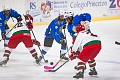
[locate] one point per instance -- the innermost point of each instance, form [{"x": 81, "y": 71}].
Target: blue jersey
[
  {"x": 76, "y": 21},
  {"x": 4, "y": 19},
  {"x": 54, "y": 30},
  {"x": 70, "y": 29}
]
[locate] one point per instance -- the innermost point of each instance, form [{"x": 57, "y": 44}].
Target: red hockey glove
[
  {"x": 30, "y": 25},
  {"x": 74, "y": 55},
  {"x": 80, "y": 28},
  {"x": 31, "y": 18},
  {"x": 28, "y": 17},
  {"x": 36, "y": 42}
]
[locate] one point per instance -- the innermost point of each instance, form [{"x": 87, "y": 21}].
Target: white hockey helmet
[
  {"x": 61, "y": 13},
  {"x": 6, "y": 7},
  {"x": 69, "y": 14}
]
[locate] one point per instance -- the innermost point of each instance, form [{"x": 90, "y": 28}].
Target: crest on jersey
[{"x": 5, "y": 22}]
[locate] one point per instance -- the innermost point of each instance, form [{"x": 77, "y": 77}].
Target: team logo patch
[
  {"x": 5, "y": 22},
  {"x": 60, "y": 29}
]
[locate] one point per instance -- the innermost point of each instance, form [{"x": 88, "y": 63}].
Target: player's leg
[
  {"x": 47, "y": 45},
  {"x": 8, "y": 34},
  {"x": 92, "y": 62},
  {"x": 89, "y": 53},
  {"x": 12, "y": 44},
  {"x": 80, "y": 70},
  {"x": 63, "y": 48},
  {"x": 29, "y": 44}
]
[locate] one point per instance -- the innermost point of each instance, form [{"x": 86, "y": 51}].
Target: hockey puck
[
  {"x": 46, "y": 61},
  {"x": 51, "y": 63}
]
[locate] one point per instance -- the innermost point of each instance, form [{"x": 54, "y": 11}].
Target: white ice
[{"x": 21, "y": 65}]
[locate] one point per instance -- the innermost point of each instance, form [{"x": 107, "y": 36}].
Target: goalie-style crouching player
[
  {"x": 21, "y": 33},
  {"x": 54, "y": 32},
  {"x": 86, "y": 47}
]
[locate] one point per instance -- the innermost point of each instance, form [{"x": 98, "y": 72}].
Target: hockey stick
[
  {"x": 46, "y": 61},
  {"x": 49, "y": 67},
  {"x": 116, "y": 42},
  {"x": 58, "y": 67},
  {"x": 10, "y": 30},
  {"x": 65, "y": 38}
]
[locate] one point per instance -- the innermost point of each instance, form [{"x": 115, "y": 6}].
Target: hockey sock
[
  {"x": 92, "y": 64},
  {"x": 80, "y": 65},
  {"x": 33, "y": 52},
  {"x": 7, "y": 52}
]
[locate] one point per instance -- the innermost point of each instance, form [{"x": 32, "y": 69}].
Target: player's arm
[
  {"x": 3, "y": 31},
  {"x": 16, "y": 15},
  {"x": 77, "y": 42},
  {"x": 48, "y": 30}
]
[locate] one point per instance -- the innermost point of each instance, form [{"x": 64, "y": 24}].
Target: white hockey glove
[{"x": 86, "y": 24}]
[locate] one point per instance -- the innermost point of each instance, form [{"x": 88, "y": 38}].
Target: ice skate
[
  {"x": 37, "y": 60},
  {"x": 40, "y": 58},
  {"x": 63, "y": 57},
  {"x": 4, "y": 62},
  {"x": 5, "y": 45},
  {"x": 93, "y": 72},
  {"x": 78, "y": 76}
]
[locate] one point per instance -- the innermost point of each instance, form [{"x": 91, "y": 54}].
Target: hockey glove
[
  {"x": 31, "y": 18},
  {"x": 64, "y": 26},
  {"x": 36, "y": 42},
  {"x": 3, "y": 34},
  {"x": 80, "y": 28},
  {"x": 19, "y": 18},
  {"x": 74, "y": 55},
  {"x": 63, "y": 41},
  {"x": 30, "y": 25}
]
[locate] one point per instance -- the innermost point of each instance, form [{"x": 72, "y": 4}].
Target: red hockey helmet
[{"x": 80, "y": 28}]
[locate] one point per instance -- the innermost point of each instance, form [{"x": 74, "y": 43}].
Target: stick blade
[
  {"x": 49, "y": 70},
  {"x": 48, "y": 67},
  {"x": 116, "y": 42}
]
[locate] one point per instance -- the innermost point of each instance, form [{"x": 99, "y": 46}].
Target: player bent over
[
  {"x": 86, "y": 47},
  {"x": 21, "y": 34},
  {"x": 74, "y": 21},
  {"x": 54, "y": 32},
  {"x": 5, "y": 15}
]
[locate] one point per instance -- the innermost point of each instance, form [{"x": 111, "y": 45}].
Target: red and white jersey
[
  {"x": 21, "y": 30},
  {"x": 85, "y": 39}
]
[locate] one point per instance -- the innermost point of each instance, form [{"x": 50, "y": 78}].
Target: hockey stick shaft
[
  {"x": 49, "y": 67},
  {"x": 57, "y": 68},
  {"x": 38, "y": 46}
]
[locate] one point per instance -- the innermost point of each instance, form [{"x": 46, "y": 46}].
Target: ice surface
[{"x": 21, "y": 65}]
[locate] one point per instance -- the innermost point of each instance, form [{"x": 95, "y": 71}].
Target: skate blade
[
  {"x": 2, "y": 65},
  {"x": 37, "y": 64},
  {"x": 77, "y": 79},
  {"x": 94, "y": 76}
]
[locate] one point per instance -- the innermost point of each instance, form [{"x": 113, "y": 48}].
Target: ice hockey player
[
  {"x": 73, "y": 21},
  {"x": 85, "y": 48},
  {"x": 21, "y": 33},
  {"x": 4, "y": 17},
  {"x": 54, "y": 32}
]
